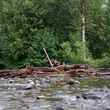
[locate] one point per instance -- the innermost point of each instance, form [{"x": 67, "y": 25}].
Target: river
[{"x": 55, "y": 93}]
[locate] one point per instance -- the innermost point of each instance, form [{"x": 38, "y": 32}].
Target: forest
[{"x": 72, "y": 31}]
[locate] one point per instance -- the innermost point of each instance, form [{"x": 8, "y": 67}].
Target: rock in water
[
  {"x": 59, "y": 108},
  {"x": 27, "y": 86},
  {"x": 90, "y": 96},
  {"x": 72, "y": 82}
]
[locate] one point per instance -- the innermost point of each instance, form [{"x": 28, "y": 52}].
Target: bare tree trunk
[{"x": 83, "y": 26}]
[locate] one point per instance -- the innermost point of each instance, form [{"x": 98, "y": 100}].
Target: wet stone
[
  {"x": 11, "y": 81},
  {"x": 45, "y": 94},
  {"x": 59, "y": 108},
  {"x": 37, "y": 98},
  {"x": 90, "y": 96},
  {"x": 108, "y": 96},
  {"x": 78, "y": 97},
  {"x": 107, "y": 109},
  {"x": 73, "y": 82}
]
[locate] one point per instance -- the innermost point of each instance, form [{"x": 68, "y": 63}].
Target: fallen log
[
  {"x": 103, "y": 69},
  {"x": 103, "y": 72},
  {"x": 44, "y": 69}
]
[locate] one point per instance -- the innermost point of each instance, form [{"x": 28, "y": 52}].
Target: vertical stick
[{"x": 48, "y": 57}]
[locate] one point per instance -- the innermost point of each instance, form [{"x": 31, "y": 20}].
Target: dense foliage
[{"x": 26, "y": 26}]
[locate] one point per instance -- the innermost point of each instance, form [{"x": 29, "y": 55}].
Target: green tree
[
  {"x": 21, "y": 24},
  {"x": 95, "y": 28},
  {"x": 62, "y": 17}
]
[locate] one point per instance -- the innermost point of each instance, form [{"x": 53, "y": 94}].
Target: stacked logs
[
  {"x": 78, "y": 69},
  {"x": 72, "y": 70}
]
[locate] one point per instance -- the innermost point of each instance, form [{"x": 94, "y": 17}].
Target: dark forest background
[{"x": 26, "y": 26}]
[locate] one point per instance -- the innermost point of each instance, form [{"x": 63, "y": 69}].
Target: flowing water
[{"x": 55, "y": 93}]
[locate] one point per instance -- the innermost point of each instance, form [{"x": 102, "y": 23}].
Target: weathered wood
[
  {"x": 48, "y": 57},
  {"x": 44, "y": 69},
  {"x": 72, "y": 70}
]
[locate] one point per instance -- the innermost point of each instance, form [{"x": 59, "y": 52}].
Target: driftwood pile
[
  {"x": 56, "y": 68},
  {"x": 72, "y": 70}
]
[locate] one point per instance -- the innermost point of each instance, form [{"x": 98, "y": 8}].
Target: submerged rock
[
  {"x": 68, "y": 99},
  {"x": 90, "y": 96},
  {"x": 72, "y": 82},
  {"x": 29, "y": 85},
  {"x": 107, "y": 109},
  {"x": 10, "y": 81},
  {"x": 59, "y": 108},
  {"x": 26, "y": 86}
]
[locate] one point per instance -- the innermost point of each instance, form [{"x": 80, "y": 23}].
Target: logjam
[{"x": 72, "y": 70}]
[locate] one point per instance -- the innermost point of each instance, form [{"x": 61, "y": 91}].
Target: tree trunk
[{"x": 83, "y": 26}]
